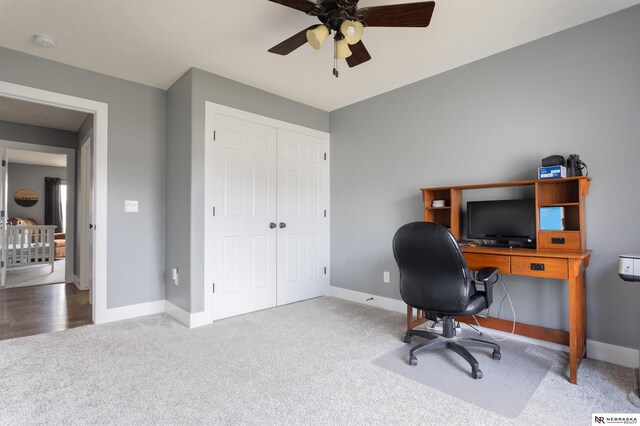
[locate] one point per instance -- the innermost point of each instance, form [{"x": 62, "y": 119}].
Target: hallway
[{"x": 41, "y": 309}]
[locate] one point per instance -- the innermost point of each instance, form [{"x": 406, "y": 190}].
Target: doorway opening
[
  {"x": 39, "y": 241},
  {"x": 38, "y": 290},
  {"x": 98, "y": 312}
]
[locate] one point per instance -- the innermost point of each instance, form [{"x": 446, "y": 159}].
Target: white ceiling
[
  {"x": 154, "y": 42},
  {"x": 22, "y": 112},
  {"x": 36, "y": 158}
]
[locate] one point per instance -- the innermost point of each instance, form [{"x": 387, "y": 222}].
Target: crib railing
[{"x": 30, "y": 245}]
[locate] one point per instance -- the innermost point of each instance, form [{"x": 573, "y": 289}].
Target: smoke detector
[{"x": 44, "y": 40}]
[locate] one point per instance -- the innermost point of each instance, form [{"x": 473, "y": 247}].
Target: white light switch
[
  {"x": 131, "y": 206},
  {"x": 385, "y": 277}
]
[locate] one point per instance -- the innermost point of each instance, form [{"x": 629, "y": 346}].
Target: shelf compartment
[
  {"x": 440, "y": 215},
  {"x": 442, "y": 194},
  {"x": 558, "y": 193},
  {"x": 571, "y": 216}
]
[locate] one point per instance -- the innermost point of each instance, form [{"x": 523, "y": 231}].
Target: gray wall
[
  {"x": 186, "y": 137},
  {"x": 29, "y": 176},
  {"x": 577, "y": 91},
  {"x": 178, "y": 226},
  {"x": 136, "y": 165},
  {"x": 37, "y": 135},
  {"x": 86, "y": 129}
]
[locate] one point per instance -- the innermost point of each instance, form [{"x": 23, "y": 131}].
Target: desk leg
[
  {"x": 409, "y": 317},
  {"x": 419, "y": 319},
  {"x": 577, "y": 317}
]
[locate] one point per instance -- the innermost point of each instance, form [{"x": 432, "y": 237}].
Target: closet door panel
[
  {"x": 301, "y": 210},
  {"x": 244, "y": 245}
]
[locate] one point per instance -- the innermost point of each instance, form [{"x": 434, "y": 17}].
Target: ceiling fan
[{"x": 347, "y": 22}]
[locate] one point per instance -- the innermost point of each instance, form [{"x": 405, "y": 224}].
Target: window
[{"x": 63, "y": 201}]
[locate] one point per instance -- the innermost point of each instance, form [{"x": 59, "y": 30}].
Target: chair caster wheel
[
  {"x": 413, "y": 360},
  {"x": 407, "y": 338},
  {"x": 496, "y": 355},
  {"x": 476, "y": 374}
]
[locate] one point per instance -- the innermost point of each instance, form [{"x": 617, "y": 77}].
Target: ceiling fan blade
[
  {"x": 305, "y": 6},
  {"x": 292, "y": 43},
  {"x": 397, "y": 15},
  {"x": 359, "y": 54}
]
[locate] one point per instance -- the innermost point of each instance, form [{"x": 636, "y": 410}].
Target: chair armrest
[{"x": 487, "y": 276}]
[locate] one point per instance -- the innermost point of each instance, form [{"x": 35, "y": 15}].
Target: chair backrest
[{"x": 433, "y": 273}]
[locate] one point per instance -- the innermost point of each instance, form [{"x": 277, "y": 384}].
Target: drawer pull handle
[
  {"x": 557, "y": 240},
  {"x": 537, "y": 266}
]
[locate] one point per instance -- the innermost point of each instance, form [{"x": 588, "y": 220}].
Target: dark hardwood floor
[{"x": 40, "y": 309}]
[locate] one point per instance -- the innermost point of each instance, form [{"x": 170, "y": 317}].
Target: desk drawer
[
  {"x": 545, "y": 267},
  {"x": 477, "y": 261},
  {"x": 559, "y": 240}
]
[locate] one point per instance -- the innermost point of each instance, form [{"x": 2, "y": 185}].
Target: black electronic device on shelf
[{"x": 507, "y": 222}]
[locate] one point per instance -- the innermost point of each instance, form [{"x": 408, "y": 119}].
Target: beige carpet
[
  {"x": 36, "y": 275},
  {"x": 307, "y": 363}
]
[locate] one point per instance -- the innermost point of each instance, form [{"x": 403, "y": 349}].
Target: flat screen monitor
[{"x": 502, "y": 220}]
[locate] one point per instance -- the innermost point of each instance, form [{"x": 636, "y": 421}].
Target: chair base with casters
[{"x": 449, "y": 340}]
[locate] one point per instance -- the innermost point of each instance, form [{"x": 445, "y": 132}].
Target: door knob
[
  {"x": 91, "y": 226},
  {"x": 272, "y": 225},
  {"x": 283, "y": 225}
]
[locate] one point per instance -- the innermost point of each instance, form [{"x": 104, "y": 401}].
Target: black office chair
[{"x": 434, "y": 277}]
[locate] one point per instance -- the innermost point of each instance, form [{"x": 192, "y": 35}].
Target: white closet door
[
  {"x": 244, "y": 246},
  {"x": 301, "y": 204}
]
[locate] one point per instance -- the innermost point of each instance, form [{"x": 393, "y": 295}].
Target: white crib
[{"x": 29, "y": 245}]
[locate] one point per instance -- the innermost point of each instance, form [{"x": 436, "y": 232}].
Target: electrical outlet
[
  {"x": 385, "y": 277},
  {"x": 174, "y": 276}
]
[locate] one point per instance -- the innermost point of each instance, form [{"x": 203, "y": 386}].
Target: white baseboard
[
  {"x": 133, "y": 311},
  {"x": 76, "y": 281},
  {"x": 190, "y": 320},
  {"x": 368, "y": 299},
  {"x": 620, "y": 355}
]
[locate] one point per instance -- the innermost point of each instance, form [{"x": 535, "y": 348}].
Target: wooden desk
[{"x": 563, "y": 265}]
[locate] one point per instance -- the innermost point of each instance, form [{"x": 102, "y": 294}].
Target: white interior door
[
  {"x": 86, "y": 217},
  {"x": 3, "y": 216},
  {"x": 301, "y": 220},
  {"x": 244, "y": 233}
]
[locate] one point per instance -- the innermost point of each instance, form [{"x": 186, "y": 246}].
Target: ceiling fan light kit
[
  {"x": 352, "y": 31},
  {"x": 347, "y": 22},
  {"x": 317, "y": 36},
  {"x": 342, "y": 50}
]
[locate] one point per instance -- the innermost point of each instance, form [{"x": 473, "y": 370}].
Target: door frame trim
[
  {"x": 211, "y": 108},
  {"x": 83, "y": 214},
  {"x": 100, "y": 162}
]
